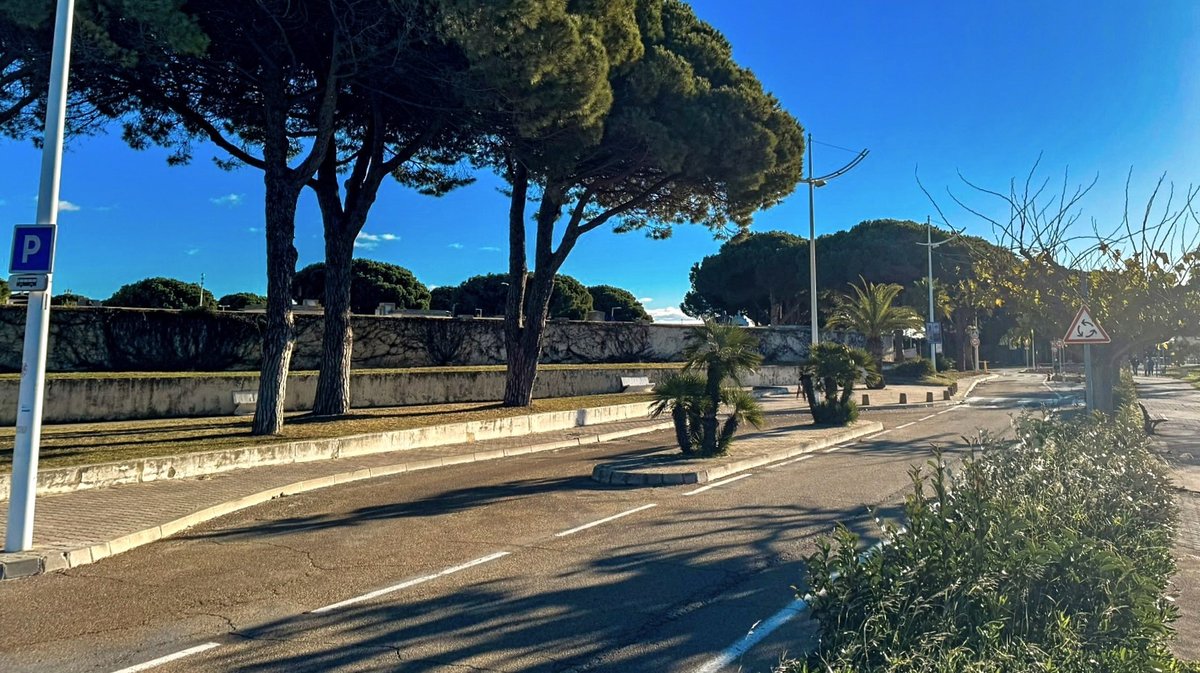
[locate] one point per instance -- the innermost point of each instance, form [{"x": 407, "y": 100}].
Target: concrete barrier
[{"x": 82, "y": 399}]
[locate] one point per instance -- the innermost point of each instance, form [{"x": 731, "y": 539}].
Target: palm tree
[
  {"x": 871, "y": 311},
  {"x": 743, "y": 408},
  {"x": 724, "y": 352},
  {"x": 682, "y": 394}
]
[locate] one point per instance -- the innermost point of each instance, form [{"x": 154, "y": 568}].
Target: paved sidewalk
[
  {"x": 81, "y": 527},
  {"x": 1180, "y": 438}
]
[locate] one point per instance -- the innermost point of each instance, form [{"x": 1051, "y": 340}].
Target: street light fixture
[{"x": 813, "y": 183}]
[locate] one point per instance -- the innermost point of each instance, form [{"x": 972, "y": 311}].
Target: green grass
[
  {"x": 89, "y": 443},
  {"x": 1189, "y": 373},
  {"x": 470, "y": 369}
]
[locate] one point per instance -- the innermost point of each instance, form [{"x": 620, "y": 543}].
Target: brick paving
[{"x": 1179, "y": 437}]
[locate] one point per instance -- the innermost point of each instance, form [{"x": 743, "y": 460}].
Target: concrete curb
[
  {"x": 82, "y": 477},
  {"x": 612, "y": 473},
  {"x": 26, "y": 564}
]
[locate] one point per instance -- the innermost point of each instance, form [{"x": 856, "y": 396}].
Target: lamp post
[
  {"x": 929, "y": 246},
  {"x": 813, "y": 183}
]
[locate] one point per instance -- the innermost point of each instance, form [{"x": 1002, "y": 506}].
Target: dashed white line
[
  {"x": 169, "y": 658},
  {"x": 945, "y": 411},
  {"x": 901, "y": 427},
  {"x": 413, "y": 582},
  {"x": 718, "y": 483},
  {"x": 926, "y": 418},
  {"x": 789, "y": 462},
  {"x": 614, "y": 517}
]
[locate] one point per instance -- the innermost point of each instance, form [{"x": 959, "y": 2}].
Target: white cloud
[
  {"x": 192, "y": 251},
  {"x": 229, "y": 200},
  {"x": 254, "y": 230},
  {"x": 490, "y": 248},
  {"x": 455, "y": 246},
  {"x": 646, "y": 300},
  {"x": 368, "y": 241},
  {"x": 66, "y": 206},
  {"x": 672, "y": 315}
]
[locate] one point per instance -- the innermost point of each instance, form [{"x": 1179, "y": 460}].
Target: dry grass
[
  {"x": 357, "y": 372},
  {"x": 88, "y": 443}
]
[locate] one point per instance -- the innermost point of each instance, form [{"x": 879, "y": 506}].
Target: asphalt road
[{"x": 487, "y": 567}]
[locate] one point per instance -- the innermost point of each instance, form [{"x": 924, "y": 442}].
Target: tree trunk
[
  {"x": 708, "y": 442},
  {"x": 337, "y": 341},
  {"x": 278, "y": 337},
  {"x": 683, "y": 436},
  {"x": 897, "y": 347},
  {"x": 522, "y": 356},
  {"x": 810, "y": 393}
]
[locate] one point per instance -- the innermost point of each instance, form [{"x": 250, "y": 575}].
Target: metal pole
[
  {"x": 975, "y": 338},
  {"x": 929, "y": 250},
  {"x": 1089, "y": 383},
  {"x": 19, "y": 533},
  {"x": 201, "y": 304},
  {"x": 1033, "y": 348},
  {"x": 814, "y": 337}
]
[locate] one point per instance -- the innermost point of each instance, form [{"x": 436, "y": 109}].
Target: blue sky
[{"x": 983, "y": 88}]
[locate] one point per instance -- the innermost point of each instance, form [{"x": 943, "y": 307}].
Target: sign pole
[
  {"x": 1089, "y": 382},
  {"x": 19, "y": 533}
]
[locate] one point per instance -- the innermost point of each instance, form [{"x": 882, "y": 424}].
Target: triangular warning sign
[{"x": 1085, "y": 330}]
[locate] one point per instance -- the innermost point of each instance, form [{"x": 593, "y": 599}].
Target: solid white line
[
  {"x": 614, "y": 517},
  {"x": 834, "y": 448},
  {"x": 718, "y": 483},
  {"x": 944, "y": 411},
  {"x": 789, "y": 462},
  {"x": 169, "y": 658},
  {"x": 926, "y": 418},
  {"x": 412, "y": 582},
  {"x": 755, "y": 636},
  {"x": 901, "y": 427}
]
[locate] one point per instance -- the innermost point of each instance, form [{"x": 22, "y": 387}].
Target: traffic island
[{"x": 671, "y": 468}]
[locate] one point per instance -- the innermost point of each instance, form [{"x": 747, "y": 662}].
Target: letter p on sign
[{"x": 33, "y": 249}]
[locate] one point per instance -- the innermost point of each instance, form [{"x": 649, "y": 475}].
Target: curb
[
  {"x": 610, "y": 473},
  {"x": 28, "y": 564},
  {"x": 201, "y": 463}
]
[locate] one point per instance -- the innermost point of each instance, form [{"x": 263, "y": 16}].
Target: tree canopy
[
  {"x": 763, "y": 276},
  {"x": 488, "y": 293},
  {"x": 160, "y": 292},
  {"x": 606, "y": 297},
  {"x": 372, "y": 283},
  {"x": 240, "y": 300}
]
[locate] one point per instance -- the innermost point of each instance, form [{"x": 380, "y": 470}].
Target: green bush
[
  {"x": 944, "y": 363},
  {"x": 1048, "y": 553},
  {"x": 833, "y": 412},
  {"x": 917, "y": 368}
]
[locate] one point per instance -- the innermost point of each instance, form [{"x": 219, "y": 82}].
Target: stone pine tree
[
  {"x": 278, "y": 87},
  {"x": 638, "y": 120}
]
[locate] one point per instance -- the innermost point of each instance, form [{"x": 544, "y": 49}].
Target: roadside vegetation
[{"x": 1050, "y": 552}]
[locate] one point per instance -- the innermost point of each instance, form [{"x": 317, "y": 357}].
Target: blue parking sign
[{"x": 33, "y": 249}]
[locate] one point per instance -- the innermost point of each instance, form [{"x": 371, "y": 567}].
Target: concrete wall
[
  {"x": 83, "y": 399},
  {"x": 108, "y": 340}
]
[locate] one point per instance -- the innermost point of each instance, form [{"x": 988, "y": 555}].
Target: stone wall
[
  {"x": 109, "y": 339},
  {"x": 77, "y": 399}
]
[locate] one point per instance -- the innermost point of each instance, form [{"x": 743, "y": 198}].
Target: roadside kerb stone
[
  {"x": 39, "y": 561},
  {"x": 956, "y": 397},
  {"x": 651, "y": 472},
  {"x": 69, "y": 479}
]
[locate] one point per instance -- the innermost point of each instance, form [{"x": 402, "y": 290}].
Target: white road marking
[
  {"x": 945, "y": 411},
  {"x": 789, "y": 462},
  {"x": 614, "y": 517},
  {"x": 169, "y": 658},
  {"x": 413, "y": 582},
  {"x": 834, "y": 448},
  {"x": 755, "y": 636},
  {"x": 718, "y": 483},
  {"x": 901, "y": 427},
  {"x": 926, "y": 418}
]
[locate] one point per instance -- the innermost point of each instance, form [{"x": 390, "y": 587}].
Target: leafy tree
[
  {"x": 606, "y": 297},
  {"x": 638, "y": 119},
  {"x": 570, "y": 299},
  {"x": 372, "y": 283},
  {"x": 837, "y": 367},
  {"x": 489, "y": 292},
  {"x": 160, "y": 292},
  {"x": 69, "y": 298},
  {"x": 725, "y": 353},
  {"x": 761, "y": 275},
  {"x": 4, "y": 292},
  {"x": 872, "y": 311},
  {"x": 443, "y": 298},
  {"x": 241, "y": 300}
]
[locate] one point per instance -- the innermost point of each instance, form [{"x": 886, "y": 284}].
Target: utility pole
[
  {"x": 1089, "y": 383},
  {"x": 929, "y": 246},
  {"x": 201, "y": 304}
]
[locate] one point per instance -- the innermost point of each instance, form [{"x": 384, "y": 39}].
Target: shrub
[
  {"x": 917, "y": 368},
  {"x": 944, "y": 363},
  {"x": 833, "y": 412},
  {"x": 1048, "y": 553}
]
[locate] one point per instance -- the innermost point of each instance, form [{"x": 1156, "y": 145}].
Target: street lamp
[
  {"x": 813, "y": 183},
  {"x": 929, "y": 246}
]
